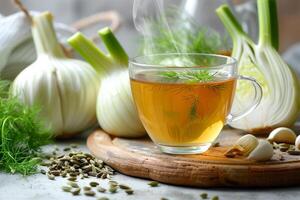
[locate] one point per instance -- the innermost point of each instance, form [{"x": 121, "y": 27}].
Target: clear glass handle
[{"x": 257, "y": 98}]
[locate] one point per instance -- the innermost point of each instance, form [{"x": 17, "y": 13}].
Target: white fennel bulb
[
  {"x": 280, "y": 101},
  {"x": 116, "y": 112},
  {"x": 64, "y": 88},
  {"x": 115, "y": 94}
]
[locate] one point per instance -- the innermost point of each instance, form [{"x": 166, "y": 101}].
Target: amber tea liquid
[{"x": 182, "y": 113}]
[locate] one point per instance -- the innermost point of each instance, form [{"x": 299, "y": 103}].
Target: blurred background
[{"x": 69, "y": 11}]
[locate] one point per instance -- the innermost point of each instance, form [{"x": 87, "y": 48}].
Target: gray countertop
[{"x": 39, "y": 187}]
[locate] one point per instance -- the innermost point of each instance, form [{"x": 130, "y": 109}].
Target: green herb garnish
[
  {"x": 187, "y": 76},
  {"x": 193, "y": 110},
  {"x": 21, "y": 135},
  {"x": 184, "y": 35}
]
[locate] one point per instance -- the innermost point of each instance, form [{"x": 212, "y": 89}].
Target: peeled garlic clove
[
  {"x": 282, "y": 135},
  {"x": 247, "y": 143},
  {"x": 263, "y": 152},
  {"x": 297, "y": 143}
]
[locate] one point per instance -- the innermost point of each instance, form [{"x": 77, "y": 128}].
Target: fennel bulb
[
  {"x": 116, "y": 112},
  {"x": 64, "y": 88},
  {"x": 280, "y": 102}
]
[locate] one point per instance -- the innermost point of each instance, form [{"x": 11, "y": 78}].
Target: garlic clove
[
  {"x": 282, "y": 135},
  {"x": 243, "y": 146},
  {"x": 248, "y": 142},
  {"x": 263, "y": 152},
  {"x": 297, "y": 143}
]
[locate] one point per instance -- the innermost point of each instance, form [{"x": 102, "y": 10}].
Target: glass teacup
[{"x": 184, "y": 100}]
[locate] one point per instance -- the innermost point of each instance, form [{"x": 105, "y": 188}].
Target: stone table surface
[{"x": 39, "y": 187}]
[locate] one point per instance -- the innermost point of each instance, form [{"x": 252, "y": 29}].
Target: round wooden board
[{"x": 141, "y": 158}]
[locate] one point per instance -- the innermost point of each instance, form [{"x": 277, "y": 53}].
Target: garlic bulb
[
  {"x": 116, "y": 112},
  {"x": 282, "y": 135},
  {"x": 65, "y": 88},
  {"x": 263, "y": 152}
]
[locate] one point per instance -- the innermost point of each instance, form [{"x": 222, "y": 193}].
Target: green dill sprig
[
  {"x": 187, "y": 76},
  {"x": 181, "y": 35},
  {"x": 21, "y": 134}
]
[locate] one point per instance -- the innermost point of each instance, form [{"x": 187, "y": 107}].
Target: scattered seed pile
[
  {"x": 77, "y": 164},
  {"x": 284, "y": 147},
  {"x": 74, "y": 166},
  {"x": 205, "y": 196}
]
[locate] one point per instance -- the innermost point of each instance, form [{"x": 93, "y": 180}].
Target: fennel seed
[
  {"x": 129, "y": 191},
  {"x": 67, "y": 149},
  {"x": 63, "y": 174},
  {"x": 73, "y": 184},
  {"x": 101, "y": 189},
  {"x": 51, "y": 177},
  {"x": 103, "y": 198},
  {"x": 113, "y": 189},
  {"x": 89, "y": 193},
  {"x": 55, "y": 172},
  {"x": 124, "y": 187},
  {"x": 283, "y": 149},
  {"x": 203, "y": 195},
  {"x": 66, "y": 188},
  {"x": 113, "y": 183},
  {"x": 74, "y": 146},
  {"x": 215, "y": 198},
  {"x": 43, "y": 171},
  {"x": 76, "y": 191},
  {"x": 86, "y": 188},
  {"x": 72, "y": 179},
  {"x": 294, "y": 152},
  {"x": 94, "y": 184},
  {"x": 153, "y": 183}
]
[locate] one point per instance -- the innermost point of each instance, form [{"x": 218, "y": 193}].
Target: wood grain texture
[{"x": 141, "y": 158}]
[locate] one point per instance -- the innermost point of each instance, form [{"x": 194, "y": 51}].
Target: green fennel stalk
[{"x": 102, "y": 63}]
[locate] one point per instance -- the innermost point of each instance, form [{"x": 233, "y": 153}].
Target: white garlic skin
[
  {"x": 297, "y": 143},
  {"x": 282, "y": 135},
  {"x": 248, "y": 142},
  {"x": 116, "y": 111},
  {"x": 263, "y": 152},
  {"x": 65, "y": 89}
]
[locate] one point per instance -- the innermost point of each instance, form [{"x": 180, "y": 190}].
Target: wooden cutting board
[{"x": 141, "y": 158}]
